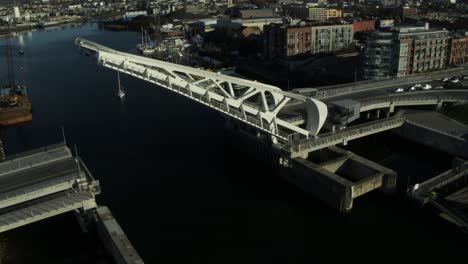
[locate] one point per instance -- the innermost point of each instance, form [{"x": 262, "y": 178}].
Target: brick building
[
  {"x": 421, "y": 50},
  {"x": 363, "y": 25},
  {"x": 458, "y": 49},
  {"x": 406, "y": 11},
  {"x": 283, "y": 41},
  {"x": 405, "y": 51}
]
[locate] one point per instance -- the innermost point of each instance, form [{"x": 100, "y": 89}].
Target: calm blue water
[{"x": 173, "y": 187}]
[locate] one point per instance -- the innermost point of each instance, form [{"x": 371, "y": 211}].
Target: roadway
[
  {"x": 293, "y": 112},
  {"x": 387, "y": 90},
  {"x": 31, "y": 176}
]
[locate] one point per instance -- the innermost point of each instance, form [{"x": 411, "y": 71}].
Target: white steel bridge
[{"x": 251, "y": 102}]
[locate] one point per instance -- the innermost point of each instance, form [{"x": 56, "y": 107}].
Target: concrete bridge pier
[
  {"x": 377, "y": 114},
  {"x": 333, "y": 175},
  {"x": 337, "y": 177},
  {"x": 439, "y": 105}
]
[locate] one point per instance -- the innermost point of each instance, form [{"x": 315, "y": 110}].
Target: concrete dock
[
  {"x": 114, "y": 238},
  {"x": 435, "y": 130}
]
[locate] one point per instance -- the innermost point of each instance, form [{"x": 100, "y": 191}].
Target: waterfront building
[
  {"x": 404, "y": 51},
  {"x": 458, "y": 48},
  {"x": 313, "y": 13},
  {"x": 284, "y": 41}
]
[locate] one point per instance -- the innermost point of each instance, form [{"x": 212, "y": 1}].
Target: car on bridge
[
  {"x": 427, "y": 87},
  {"x": 399, "y": 90},
  {"x": 415, "y": 87}
]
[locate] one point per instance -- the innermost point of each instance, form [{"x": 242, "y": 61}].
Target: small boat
[{"x": 121, "y": 92}]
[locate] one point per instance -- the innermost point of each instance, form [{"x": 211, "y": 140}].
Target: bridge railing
[
  {"x": 391, "y": 99},
  {"x": 223, "y": 108},
  {"x": 343, "y": 89},
  {"x": 259, "y": 103},
  {"x": 333, "y": 138}
]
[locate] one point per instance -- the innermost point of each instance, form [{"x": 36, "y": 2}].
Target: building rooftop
[{"x": 256, "y": 11}]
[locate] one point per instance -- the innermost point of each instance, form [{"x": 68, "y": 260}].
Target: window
[
  {"x": 402, "y": 64},
  {"x": 403, "y": 49}
]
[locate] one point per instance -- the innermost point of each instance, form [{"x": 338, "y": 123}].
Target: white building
[{"x": 16, "y": 12}]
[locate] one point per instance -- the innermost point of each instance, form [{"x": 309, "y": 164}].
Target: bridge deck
[
  {"x": 34, "y": 182},
  {"x": 460, "y": 196},
  {"x": 44, "y": 172},
  {"x": 414, "y": 98},
  {"x": 342, "y": 136},
  {"x": 44, "y": 208},
  {"x": 35, "y": 158},
  {"x": 42, "y": 183}
]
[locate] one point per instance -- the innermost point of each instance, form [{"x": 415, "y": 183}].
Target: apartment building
[
  {"x": 284, "y": 41},
  {"x": 405, "y": 51}
]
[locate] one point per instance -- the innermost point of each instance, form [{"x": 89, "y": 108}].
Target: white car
[
  {"x": 456, "y": 80},
  {"x": 446, "y": 79},
  {"x": 399, "y": 90},
  {"x": 427, "y": 87},
  {"x": 416, "y": 86}
]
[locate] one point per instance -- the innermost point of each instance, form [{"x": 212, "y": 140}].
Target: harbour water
[{"x": 178, "y": 193}]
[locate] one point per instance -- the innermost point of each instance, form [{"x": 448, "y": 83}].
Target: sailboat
[
  {"x": 143, "y": 43},
  {"x": 146, "y": 46},
  {"x": 121, "y": 92}
]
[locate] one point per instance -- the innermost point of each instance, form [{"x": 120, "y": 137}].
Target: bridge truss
[{"x": 251, "y": 102}]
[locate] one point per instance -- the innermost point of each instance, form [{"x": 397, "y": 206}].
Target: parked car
[
  {"x": 446, "y": 79},
  {"x": 439, "y": 87},
  {"x": 456, "y": 80}
]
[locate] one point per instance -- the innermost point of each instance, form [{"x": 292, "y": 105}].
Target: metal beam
[{"x": 238, "y": 101}]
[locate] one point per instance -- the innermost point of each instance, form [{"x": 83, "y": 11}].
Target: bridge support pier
[
  {"x": 439, "y": 105},
  {"x": 391, "y": 109},
  {"x": 333, "y": 175},
  {"x": 368, "y": 115}
]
